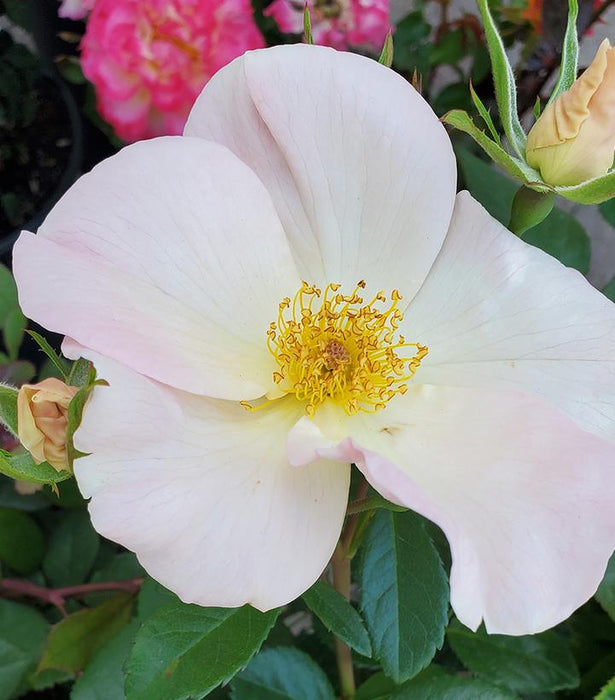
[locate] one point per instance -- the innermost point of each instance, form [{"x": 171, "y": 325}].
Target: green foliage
[
  {"x": 185, "y": 650},
  {"x": 282, "y": 674},
  {"x": 338, "y": 616},
  {"x": 530, "y": 664},
  {"x": 74, "y": 641},
  {"x": 12, "y": 320},
  {"x": 570, "y": 53},
  {"x": 605, "y": 594},
  {"x": 72, "y": 549},
  {"x": 560, "y": 234},
  {"x": 24, "y": 468},
  {"x": 21, "y": 541},
  {"x": 404, "y": 593},
  {"x": 22, "y": 636}
]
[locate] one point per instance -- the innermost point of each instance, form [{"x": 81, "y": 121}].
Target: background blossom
[
  {"x": 339, "y": 23},
  {"x": 149, "y": 59}
]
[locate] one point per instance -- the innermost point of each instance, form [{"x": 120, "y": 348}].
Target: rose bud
[
  {"x": 42, "y": 420},
  {"x": 574, "y": 138}
]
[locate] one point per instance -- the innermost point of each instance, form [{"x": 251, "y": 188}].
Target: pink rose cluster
[
  {"x": 149, "y": 59},
  {"x": 336, "y": 23}
]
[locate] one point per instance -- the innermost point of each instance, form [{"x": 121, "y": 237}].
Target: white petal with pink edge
[
  {"x": 358, "y": 166},
  {"x": 168, "y": 257},
  {"x": 201, "y": 490},
  {"x": 498, "y": 313},
  {"x": 524, "y": 496}
]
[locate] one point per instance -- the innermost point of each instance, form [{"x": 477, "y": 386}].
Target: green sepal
[
  {"x": 23, "y": 468},
  {"x": 570, "y": 54},
  {"x": 87, "y": 378},
  {"x": 504, "y": 80},
  {"x": 591, "y": 191},
  {"x": 516, "y": 168},
  {"x": 529, "y": 208},
  {"x": 307, "y": 25},
  {"x": 386, "y": 57},
  {"x": 485, "y": 116},
  {"x": 8, "y": 408},
  {"x": 50, "y": 352}
]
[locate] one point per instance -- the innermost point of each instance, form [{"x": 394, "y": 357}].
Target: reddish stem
[{"x": 57, "y": 596}]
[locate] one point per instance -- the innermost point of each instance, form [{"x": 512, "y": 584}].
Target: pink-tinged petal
[
  {"x": 363, "y": 182},
  {"x": 524, "y": 496},
  {"x": 201, "y": 490},
  {"x": 498, "y": 313},
  {"x": 168, "y": 257}
]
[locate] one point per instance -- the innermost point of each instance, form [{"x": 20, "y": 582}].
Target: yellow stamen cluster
[{"x": 335, "y": 347}]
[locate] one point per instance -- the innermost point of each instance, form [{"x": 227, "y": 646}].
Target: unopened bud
[
  {"x": 574, "y": 138},
  {"x": 42, "y": 420}
]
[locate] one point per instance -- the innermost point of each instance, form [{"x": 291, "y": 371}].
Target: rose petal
[
  {"x": 168, "y": 257},
  {"x": 359, "y": 168},
  {"x": 524, "y": 496},
  {"x": 201, "y": 490},
  {"x": 498, "y": 313}
]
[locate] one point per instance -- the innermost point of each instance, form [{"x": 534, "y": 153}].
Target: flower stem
[
  {"x": 341, "y": 582},
  {"x": 11, "y": 587}
]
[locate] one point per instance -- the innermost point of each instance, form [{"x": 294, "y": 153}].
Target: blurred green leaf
[
  {"x": 605, "y": 594},
  {"x": 282, "y": 674},
  {"x": 185, "y": 651},
  {"x": 607, "y": 209},
  {"x": 152, "y": 597},
  {"x": 434, "y": 683},
  {"x": 529, "y": 664},
  {"x": 13, "y": 330},
  {"x": 560, "y": 234},
  {"x": 22, "y": 635},
  {"x": 609, "y": 290},
  {"x": 608, "y": 692},
  {"x": 376, "y": 687},
  {"x": 10, "y": 498},
  {"x": 404, "y": 593},
  {"x": 21, "y": 541},
  {"x": 338, "y": 616},
  {"x": 74, "y": 641},
  {"x": 104, "y": 677},
  {"x": 72, "y": 549}
]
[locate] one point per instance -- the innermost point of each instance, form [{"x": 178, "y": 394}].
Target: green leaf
[
  {"x": 282, "y": 674},
  {"x": 22, "y": 636},
  {"x": 560, "y": 234},
  {"x": 185, "y": 650},
  {"x": 21, "y": 541},
  {"x": 152, "y": 597},
  {"x": 376, "y": 687},
  {"x": 73, "y": 642},
  {"x": 338, "y": 616},
  {"x": 8, "y": 294},
  {"x": 434, "y": 682},
  {"x": 12, "y": 332},
  {"x": 530, "y": 664},
  {"x": 609, "y": 290},
  {"x": 504, "y": 80},
  {"x": 81, "y": 373},
  {"x": 8, "y": 408},
  {"x": 607, "y": 209},
  {"x": 404, "y": 593},
  {"x": 386, "y": 56},
  {"x": 608, "y": 692},
  {"x": 72, "y": 550},
  {"x": 104, "y": 677},
  {"x": 50, "y": 352},
  {"x": 516, "y": 168},
  {"x": 570, "y": 54},
  {"x": 10, "y": 498},
  {"x": 605, "y": 594},
  {"x": 23, "y": 468}
]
